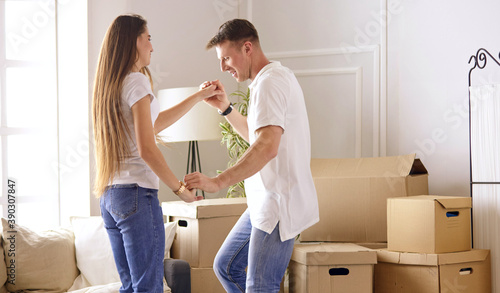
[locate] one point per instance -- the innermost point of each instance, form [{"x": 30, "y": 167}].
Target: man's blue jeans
[
  {"x": 133, "y": 219},
  {"x": 265, "y": 255}
]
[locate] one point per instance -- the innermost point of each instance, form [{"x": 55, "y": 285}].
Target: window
[{"x": 33, "y": 132}]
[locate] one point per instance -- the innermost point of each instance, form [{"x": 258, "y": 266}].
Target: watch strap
[{"x": 227, "y": 111}]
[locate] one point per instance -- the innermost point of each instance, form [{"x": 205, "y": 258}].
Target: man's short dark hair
[{"x": 235, "y": 30}]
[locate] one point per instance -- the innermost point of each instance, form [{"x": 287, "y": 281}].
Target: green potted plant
[{"x": 236, "y": 145}]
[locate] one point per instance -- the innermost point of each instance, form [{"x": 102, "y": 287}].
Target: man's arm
[
  {"x": 263, "y": 150},
  {"x": 221, "y": 102},
  {"x": 239, "y": 123}
]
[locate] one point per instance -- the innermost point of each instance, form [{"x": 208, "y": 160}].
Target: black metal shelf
[{"x": 479, "y": 61}]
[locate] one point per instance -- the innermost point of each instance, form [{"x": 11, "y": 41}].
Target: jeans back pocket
[{"x": 123, "y": 200}]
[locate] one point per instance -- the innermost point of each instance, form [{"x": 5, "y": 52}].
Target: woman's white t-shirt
[
  {"x": 283, "y": 190},
  {"x": 133, "y": 169}
]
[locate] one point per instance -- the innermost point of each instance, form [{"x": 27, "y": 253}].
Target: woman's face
[{"x": 144, "y": 49}]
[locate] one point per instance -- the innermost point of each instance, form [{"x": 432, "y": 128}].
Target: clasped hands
[
  {"x": 219, "y": 101},
  {"x": 219, "y": 98}
]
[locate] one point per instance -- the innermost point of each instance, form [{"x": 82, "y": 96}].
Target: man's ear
[{"x": 248, "y": 47}]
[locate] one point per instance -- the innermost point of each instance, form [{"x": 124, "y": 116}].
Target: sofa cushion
[
  {"x": 40, "y": 260},
  {"x": 94, "y": 256},
  {"x": 170, "y": 229},
  {"x": 111, "y": 288},
  {"x": 3, "y": 270}
]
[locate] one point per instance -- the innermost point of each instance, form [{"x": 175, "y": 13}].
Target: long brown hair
[{"x": 116, "y": 60}]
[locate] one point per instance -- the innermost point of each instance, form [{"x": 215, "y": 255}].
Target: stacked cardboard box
[
  {"x": 202, "y": 227},
  {"x": 352, "y": 195},
  {"x": 331, "y": 267},
  {"x": 429, "y": 248},
  {"x": 464, "y": 272},
  {"x": 429, "y": 224}
]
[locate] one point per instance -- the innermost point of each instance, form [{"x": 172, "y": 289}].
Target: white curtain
[{"x": 485, "y": 156}]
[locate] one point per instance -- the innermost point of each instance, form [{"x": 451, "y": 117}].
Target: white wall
[
  {"x": 430, "y": 44},
  {"x": 339, "y": 74}
]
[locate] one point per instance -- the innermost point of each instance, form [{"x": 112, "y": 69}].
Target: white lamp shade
[{"x": 200, "y": 123}]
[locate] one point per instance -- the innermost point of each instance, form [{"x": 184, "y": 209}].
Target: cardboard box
[
  {"x": 464, "y": 272},
  {"x": 376, "y": 245},
  {"x": 202, "y": 227},
  {"x": 204, "y": 280},
  {"x": 331, "y": 267},
  {"x": 353, "y": 193},
  {"x": 429, "y": 224}
]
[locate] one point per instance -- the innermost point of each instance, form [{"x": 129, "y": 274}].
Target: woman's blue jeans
[
  {"x": 133, "y": 219},
  {"x": 265, "y": 255}
]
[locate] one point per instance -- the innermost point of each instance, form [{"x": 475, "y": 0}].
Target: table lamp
[{"x": 200, "y": 123}]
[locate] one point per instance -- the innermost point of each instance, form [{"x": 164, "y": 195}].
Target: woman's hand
[
  {"x": 207, "y": 91},
  {"x": 219, "y": 100},
  {"x": 190, "y": 195}
]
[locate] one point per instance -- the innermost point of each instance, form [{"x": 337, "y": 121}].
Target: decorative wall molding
[
  {"x": 382, "y": 150},
  {"x": 323, "y": 52},
  {"x": 378, "y": 110},
  {"x": 379, "y": 52},
  {"x": 358, "y": 72}
]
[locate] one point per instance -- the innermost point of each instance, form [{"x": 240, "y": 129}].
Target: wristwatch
[{"x": 227, "y": 111}]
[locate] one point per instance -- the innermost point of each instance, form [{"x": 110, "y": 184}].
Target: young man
[{"x": 280, "y": 191}]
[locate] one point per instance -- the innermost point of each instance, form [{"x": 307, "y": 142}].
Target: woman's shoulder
[
  {"x": 136, "y": 77},
  {"x": 136, "y": 80},
  {"x": 135, "y": 86}
]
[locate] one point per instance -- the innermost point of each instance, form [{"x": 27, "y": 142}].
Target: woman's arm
[
  {"x": 171, "y": 115},
  {"x": 149, "y": 151}
]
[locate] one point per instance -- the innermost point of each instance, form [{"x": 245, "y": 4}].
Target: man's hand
[
  {"x": 200, "y": 181},
  {"x": 208, "y": 91},
  {"x": 220, "y": 100}
]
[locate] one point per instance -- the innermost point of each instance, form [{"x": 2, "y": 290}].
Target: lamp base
[{"x": 193, "y": 161}]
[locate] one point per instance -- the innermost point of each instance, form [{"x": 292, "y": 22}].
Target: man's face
[{"x": 233, "y": 59}]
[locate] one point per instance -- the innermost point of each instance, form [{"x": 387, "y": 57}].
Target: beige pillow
[
  {"x": 112, "y": 288},
  {"x": 42, "y": 261},
  {"x": 170, "y": 229},
  {"x": 94, "y": 255}
]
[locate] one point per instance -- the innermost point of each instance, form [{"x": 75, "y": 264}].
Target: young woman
[{"x": 129, "y": 165}]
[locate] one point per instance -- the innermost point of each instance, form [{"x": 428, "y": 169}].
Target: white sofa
[{"x": 74, "y": 259}]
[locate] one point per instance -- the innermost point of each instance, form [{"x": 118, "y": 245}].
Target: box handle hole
[
  {"x": 452, "y": 214},
  {"x": 183, "y": 223},
  {"x": 339, "y": 272},
  {"x": 465, "y": 271}
]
